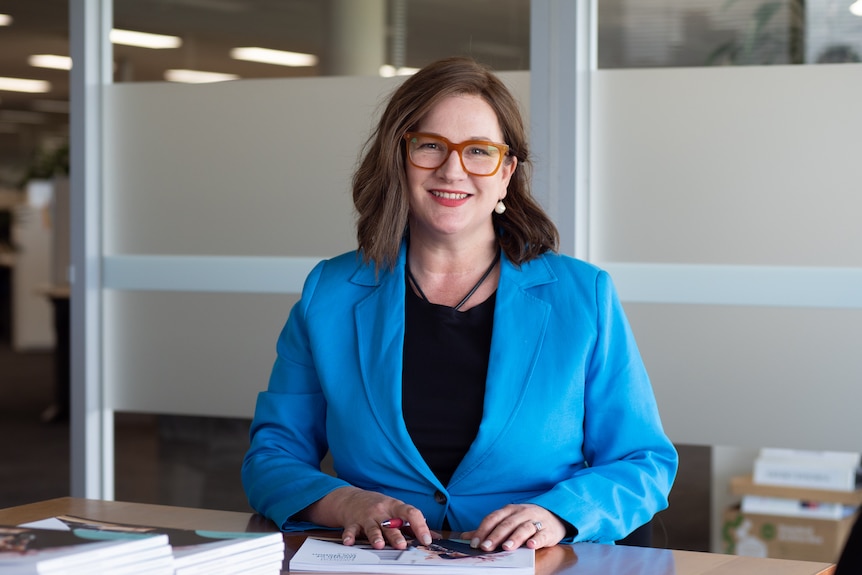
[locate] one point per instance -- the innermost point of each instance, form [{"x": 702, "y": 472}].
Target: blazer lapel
[
  {"x": 380, "y": 344},
  {"x": 520, "y": 322}
]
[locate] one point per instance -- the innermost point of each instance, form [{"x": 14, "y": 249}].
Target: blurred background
[{"x": 194, "y": 461}]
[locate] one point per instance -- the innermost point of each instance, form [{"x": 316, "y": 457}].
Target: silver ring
[{"x": 538, "y": 525}]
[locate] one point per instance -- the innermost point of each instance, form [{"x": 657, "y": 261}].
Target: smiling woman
[{"x": 506, "y": 348}]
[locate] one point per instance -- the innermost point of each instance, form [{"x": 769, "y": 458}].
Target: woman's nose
[{"x": 453, "y": 167}]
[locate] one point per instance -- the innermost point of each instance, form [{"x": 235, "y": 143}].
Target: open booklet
[{"x": 442, "y": 557}]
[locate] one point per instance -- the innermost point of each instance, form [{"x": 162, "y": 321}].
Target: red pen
[{"x": 395, "y": 523}]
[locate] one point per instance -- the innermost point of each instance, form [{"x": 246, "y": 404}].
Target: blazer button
[{"x": 440, "y": 497}]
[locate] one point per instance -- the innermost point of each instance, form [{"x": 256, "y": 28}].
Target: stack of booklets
[
  {"x": 442, "y": 557},
  {"x": 29, "y": 550},
  {"x": 190, "y": 552},
  {"x": 834, "y": 471}
]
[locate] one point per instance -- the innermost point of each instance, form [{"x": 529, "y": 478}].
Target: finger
[
  {"x": 348, "y": 536},
  {"x": 498, "y": 527},
  {"x": 541, "y": 538},
  {"x": 418, "y": 525},
  {"x": 524, "y": 531},
  {"x": 374, "y": 533},
  {"x": 395, "y": 537},
  {"x": 493, "y": 528}
]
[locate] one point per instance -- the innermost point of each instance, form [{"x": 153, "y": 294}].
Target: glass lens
[
  {"x": 427, "y": 151},
  {"x": 480, "y": 157}
]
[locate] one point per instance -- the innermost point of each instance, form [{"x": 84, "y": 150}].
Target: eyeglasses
[{"x": 478, "y": 157}]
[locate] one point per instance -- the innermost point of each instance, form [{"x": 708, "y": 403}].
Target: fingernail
[
  {"x": 474, "y": 542},
  {"x": 347, "y": 541},
  {"x": 426, "y": 539},
  {"x": 379, "y": 540},
  {"x": 508, "y": 544},
  {"x": 487, "y": 545}
]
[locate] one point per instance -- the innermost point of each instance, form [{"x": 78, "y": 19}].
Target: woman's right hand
[{"x": 360, "y": 512}]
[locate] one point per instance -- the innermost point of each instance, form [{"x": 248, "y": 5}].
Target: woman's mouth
[{"x": 449, "y": 195}]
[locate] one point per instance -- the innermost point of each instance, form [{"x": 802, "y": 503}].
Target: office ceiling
[{"x": 495, "y": 31}]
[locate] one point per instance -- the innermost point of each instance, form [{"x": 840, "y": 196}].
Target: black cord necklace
[{"x": 469, "y": 294}]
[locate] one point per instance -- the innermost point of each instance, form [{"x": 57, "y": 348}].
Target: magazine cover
[
  {"x": 443, "y": 556},
  {"x": 33, "y": 550},
  {"x": 189, "y": 546}
]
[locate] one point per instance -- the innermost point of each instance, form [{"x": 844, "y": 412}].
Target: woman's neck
[{"x": 444, "y": 274}]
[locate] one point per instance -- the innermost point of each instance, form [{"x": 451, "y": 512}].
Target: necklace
[{"x": 466, "y": 297}]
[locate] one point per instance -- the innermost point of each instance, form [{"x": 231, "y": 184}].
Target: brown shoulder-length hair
[{"x": 524, "y": 231}]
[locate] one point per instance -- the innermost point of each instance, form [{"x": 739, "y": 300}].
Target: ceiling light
[
  {"x": 5, "y": 19},
  {"x": 387, "y": 71},
  {"x": 52, "y": 61},
  {"x": 144, "y": 40},
  {"x": 24, "y": 85},
  {"x": 278, "y": 57},
  {"x": 856, "y": 8},
  {"x": 197, "y": 76}
]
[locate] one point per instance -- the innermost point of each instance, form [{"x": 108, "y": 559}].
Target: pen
[{"x": 395, "y": 523}]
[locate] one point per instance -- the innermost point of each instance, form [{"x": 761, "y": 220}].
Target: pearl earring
[{"x": 500, "y": 207}]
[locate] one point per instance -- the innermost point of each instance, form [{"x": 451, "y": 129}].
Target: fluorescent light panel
[
  {"x": 24, "y": 85},
  {"x": 5, "y": 19},
  {"x": 197, "y": 76},
  {"x": 388, "y": 71},
  {"x": 277, "y": 57},
  {"x": 52, "y": 61},
  {"x": 144, "y": 39},
  {"x": 856, "y": 8}
]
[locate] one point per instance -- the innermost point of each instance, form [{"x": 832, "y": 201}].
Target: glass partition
[
  {"x": 676, "y": 33},
  {"x": 320, "y": 37}
]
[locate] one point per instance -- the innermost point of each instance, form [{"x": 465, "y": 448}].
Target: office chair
[
  {"x": 850, "y": 562},
  {"x": 640, "y": 537}
]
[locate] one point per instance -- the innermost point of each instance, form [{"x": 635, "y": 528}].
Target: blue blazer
[{"x": 570, "y": 420}]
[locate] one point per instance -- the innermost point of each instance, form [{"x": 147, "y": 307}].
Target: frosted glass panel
[
  {"x": 190, "y": 353},
  {"x": 754, "y": 166},
  {"x": 725, "y": 204},
  {"x": 754, "y": 377},
  {"x": 259, "y": 167},
  {"x": 255, "y": 168}
]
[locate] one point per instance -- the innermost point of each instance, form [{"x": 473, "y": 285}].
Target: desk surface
[{"x": 578, "y": 559}]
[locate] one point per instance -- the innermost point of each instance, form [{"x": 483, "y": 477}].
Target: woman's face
[{"x": 447, "y": 203}]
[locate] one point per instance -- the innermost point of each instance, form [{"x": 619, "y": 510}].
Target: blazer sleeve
[
  {"x": 281, "y": 470},
  {"x": 630, "y": 462}
]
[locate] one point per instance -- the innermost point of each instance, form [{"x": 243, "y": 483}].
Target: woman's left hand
[{"x": 515, "y": 525}]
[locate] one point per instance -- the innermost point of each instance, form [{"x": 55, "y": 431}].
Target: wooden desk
[{"x": 578, "y": 559}]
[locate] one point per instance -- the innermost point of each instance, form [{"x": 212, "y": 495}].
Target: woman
[{"x": 462, "y": 374}]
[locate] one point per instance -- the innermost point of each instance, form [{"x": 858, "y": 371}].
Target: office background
[{"x": 722, "y": 201}]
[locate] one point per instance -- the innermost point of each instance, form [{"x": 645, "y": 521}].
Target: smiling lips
[{"x": 453, "y": 196}]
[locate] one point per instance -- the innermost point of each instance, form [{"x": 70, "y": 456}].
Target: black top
[{"x": 445, "y": 365}]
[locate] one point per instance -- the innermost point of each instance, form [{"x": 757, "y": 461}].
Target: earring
[{"x": 500, "y": 207}]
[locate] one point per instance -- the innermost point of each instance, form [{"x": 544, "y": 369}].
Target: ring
[{"x": 538, "y": 525}]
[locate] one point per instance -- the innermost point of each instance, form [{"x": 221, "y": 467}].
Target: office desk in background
[{"x": 578, "y": 559}]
